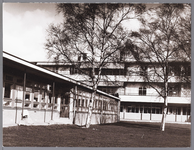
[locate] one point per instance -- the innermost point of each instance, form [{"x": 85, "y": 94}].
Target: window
[
  {"x": 27, "y": 97},
  {"x": 79, "y": 58},
  {"x": 178, "y": 111},
  {"x": 145, "y": 109},
  {"x": 84, "y": 56},
  {"x": 141, "y": 109},
  {"x": 125, "y": 55},
  {"x": 43, "y": 95},
  {"x": 137, "y": 109},
  {"x": 121, "y": 72},
  {"x": 74, "y": 70},
  {"x": 188, "y": 111},
  {"x": 35, "y": 105},
  {"x": 173, "y": 91},
  {"x": 129, "y": 109},
  {"x": 82, "y": 102},
  {"x": 96, "y": 104},
  {"x": 143, "y": 70},
  {"x": 169, "y": 110},
  {"x": 142, "y": 91},
  {"x": 184, "y": 111},
  {"x": 158, "y": 110},
  {"x": 100, "y": 104},
  {"x": 174, "y": 70},
  {"x": 186, "y": 70},
  {"x": 86, "y": 103},
  {"x": 19, "y": 90},
  {"x": 187, "y": 86},
  {"x": 133, "y": 109},
  {"x": 149, "y": 110},
  {"x": 50, "y": 96},
  {"x": 172, "y": 110},
  {"x": 28, "y": 91},
  {"x": 56, "y": 97},
  {"x": 36, "y": 93},
  {"x": 121, "y": 109},
  {"x": 7, "y": 93},
  {"x": 79, "y": 103},
  {"x": 153, "y": 110},
  {"x": 104, "y": 105}
]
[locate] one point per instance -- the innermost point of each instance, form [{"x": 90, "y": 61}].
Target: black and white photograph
[{"x": 96, "y": 75}]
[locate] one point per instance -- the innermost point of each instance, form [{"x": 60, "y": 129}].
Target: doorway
[{"x": 64, "y": 109}]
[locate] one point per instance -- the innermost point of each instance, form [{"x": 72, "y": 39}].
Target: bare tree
[
  {"x": 95, "y": 29},
  {"x": 160, "y": 41}
]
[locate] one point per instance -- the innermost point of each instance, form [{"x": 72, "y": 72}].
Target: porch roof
[{"x": 25, "y": 64}]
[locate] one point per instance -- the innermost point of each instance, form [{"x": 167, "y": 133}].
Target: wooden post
[
  {"x": 24, "y": 89},
  {"x": 44, "y": 114},
  {"x": 74, "y": 103},
  {"x": 46, "y": 105},
  {"x": 16, "y": 112},
  {"x": 53, "y": 101},
  {"x": 118, "y": 113},
  {"x": 124, "y": 111},
  {"x": 151, "y": 112},
  {"x": 101, "y": 111},
  {"x": 15, "y": 101}
]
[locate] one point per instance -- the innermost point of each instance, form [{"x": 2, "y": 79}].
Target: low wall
[
  {"x": 97, "y": 118},
  {"x": 35, "y": 116},
  {"x": 155, "y": 117}
]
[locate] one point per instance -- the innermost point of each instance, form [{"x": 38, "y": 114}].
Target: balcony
[{"x": 155, "y": 99}]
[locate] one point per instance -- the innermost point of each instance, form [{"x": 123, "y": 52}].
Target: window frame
[{"x": 142, "y": 91}]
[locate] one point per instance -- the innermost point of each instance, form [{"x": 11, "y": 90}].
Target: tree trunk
[
  {"x": 164, "y": 114},
  {"x": 89, "y": 115}
]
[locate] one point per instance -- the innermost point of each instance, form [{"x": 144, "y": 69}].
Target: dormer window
[{"x": 82, "y": 57}]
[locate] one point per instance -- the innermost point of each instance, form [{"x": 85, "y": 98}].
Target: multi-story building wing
[{"x": 139, "y": 100}]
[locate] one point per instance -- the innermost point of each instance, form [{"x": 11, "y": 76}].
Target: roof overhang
[{"x": 34, "y": 67}]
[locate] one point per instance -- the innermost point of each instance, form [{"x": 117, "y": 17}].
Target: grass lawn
[{"x": 122, "y": 134}]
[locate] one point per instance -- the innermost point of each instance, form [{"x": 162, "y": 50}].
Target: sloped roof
[{"x": 56, "y": 75}]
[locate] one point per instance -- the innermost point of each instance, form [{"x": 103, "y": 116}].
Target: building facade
[
  {"x": 39, "y": 96},
  {"x": 139, "y": 100}
]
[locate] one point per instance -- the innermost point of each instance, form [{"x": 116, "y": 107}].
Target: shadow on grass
[{"x": 129, "y": 124}]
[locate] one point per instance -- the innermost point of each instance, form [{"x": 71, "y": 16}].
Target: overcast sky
[{"x": 24, "y": 28}]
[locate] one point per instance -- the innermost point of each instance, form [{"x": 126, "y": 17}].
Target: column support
[
  {"x": 151, "y": 112},
  {"x": 24, "y": 89},
  {"x": 118, "y": 116},
  {"x": 53, "y": 100},
  {"x": 74, "y": 103}
]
